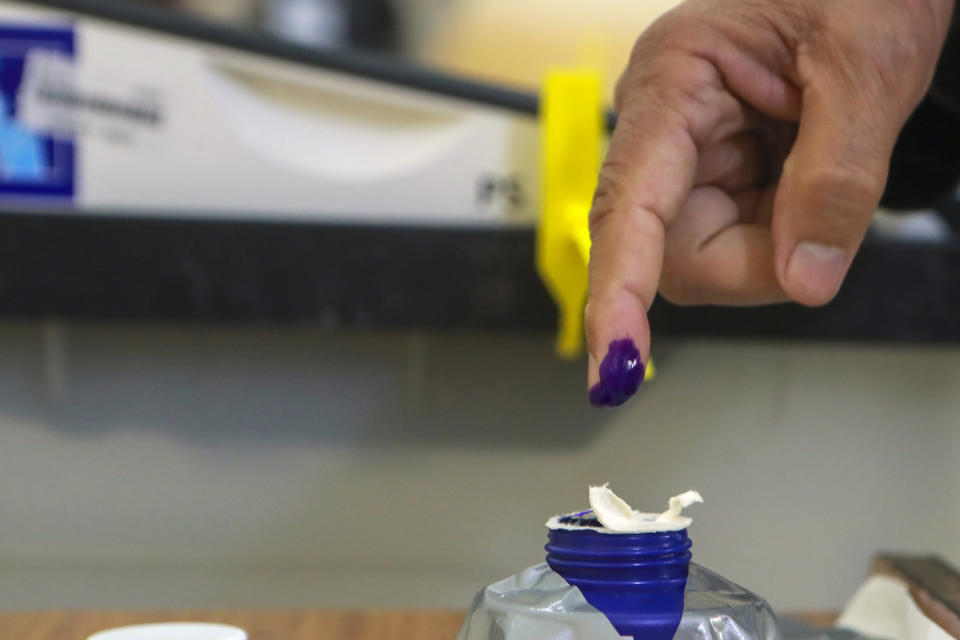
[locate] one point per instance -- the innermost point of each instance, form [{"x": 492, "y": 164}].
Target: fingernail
[
  {"x": 621, "y": 373},
  {"x": 818, "y": 268}
]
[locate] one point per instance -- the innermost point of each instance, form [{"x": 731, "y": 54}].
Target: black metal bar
[{"x": 119, "y": 267}]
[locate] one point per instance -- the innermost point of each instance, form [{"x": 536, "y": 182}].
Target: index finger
[{"x": 647, "y": 174}]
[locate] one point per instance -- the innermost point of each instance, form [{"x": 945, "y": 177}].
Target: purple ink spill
[{"x": 621, "y": 373}]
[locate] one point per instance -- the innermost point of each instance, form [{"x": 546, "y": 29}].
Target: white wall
[{"x": 307, "y": 468}]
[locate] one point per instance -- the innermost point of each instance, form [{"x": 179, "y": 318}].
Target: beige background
[
  {"x": 172, "y": 467},
  {"x": 518, "y": 41}
]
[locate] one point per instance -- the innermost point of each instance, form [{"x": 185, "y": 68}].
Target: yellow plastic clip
[{"x": 571, "y": 129}]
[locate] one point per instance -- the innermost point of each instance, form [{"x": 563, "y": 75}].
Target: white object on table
[
  {"x": 173, "y": 631},
  {"x": 883, "y": 608}
]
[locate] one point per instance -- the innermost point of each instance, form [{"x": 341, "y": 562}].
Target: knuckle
[
  {"x": 848, "y": 188},
  {"x": 607, "y": 193},
  {"x": 889, "y": 62},
  {"x": 645, "y": 59},
  {"x": 664, "y": 66}
]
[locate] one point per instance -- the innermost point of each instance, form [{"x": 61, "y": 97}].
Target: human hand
[{"x": 751, "y": 149}]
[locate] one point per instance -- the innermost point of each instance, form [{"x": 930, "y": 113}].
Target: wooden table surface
[{"x": 260, "y": 625}]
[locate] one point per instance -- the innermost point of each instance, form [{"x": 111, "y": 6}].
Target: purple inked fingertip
[{"x": 621, "y": 373}]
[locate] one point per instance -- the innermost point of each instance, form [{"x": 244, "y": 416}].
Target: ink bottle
[{"x": 612, "y": 573}]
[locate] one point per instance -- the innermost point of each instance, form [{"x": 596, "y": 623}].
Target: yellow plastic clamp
[{"x": 571, "y": 130}]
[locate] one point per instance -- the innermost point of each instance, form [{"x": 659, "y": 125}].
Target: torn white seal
[
  {"x": 616, "y": 516},
  {"x": 676, "y": 504}
]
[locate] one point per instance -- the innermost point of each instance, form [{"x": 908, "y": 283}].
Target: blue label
[{"x": 31, "y": 164}]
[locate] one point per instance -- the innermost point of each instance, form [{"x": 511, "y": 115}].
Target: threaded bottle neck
[{"x": 636, "y": 579}]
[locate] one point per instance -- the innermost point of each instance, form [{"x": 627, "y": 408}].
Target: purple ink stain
[{"x": 621, "y": 373}]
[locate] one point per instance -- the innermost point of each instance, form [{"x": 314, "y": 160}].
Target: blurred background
[
  {"x": 162, "y": 464},
  {"x": 512, "y": 42}
]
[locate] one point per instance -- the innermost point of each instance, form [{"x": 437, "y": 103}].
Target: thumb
[{"x": 831, "y": 184}]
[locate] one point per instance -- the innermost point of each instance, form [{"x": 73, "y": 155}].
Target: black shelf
[{"x": 152, "y": 269}]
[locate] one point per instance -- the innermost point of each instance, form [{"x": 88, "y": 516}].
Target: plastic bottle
[{"x": 613, "y": 573}]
